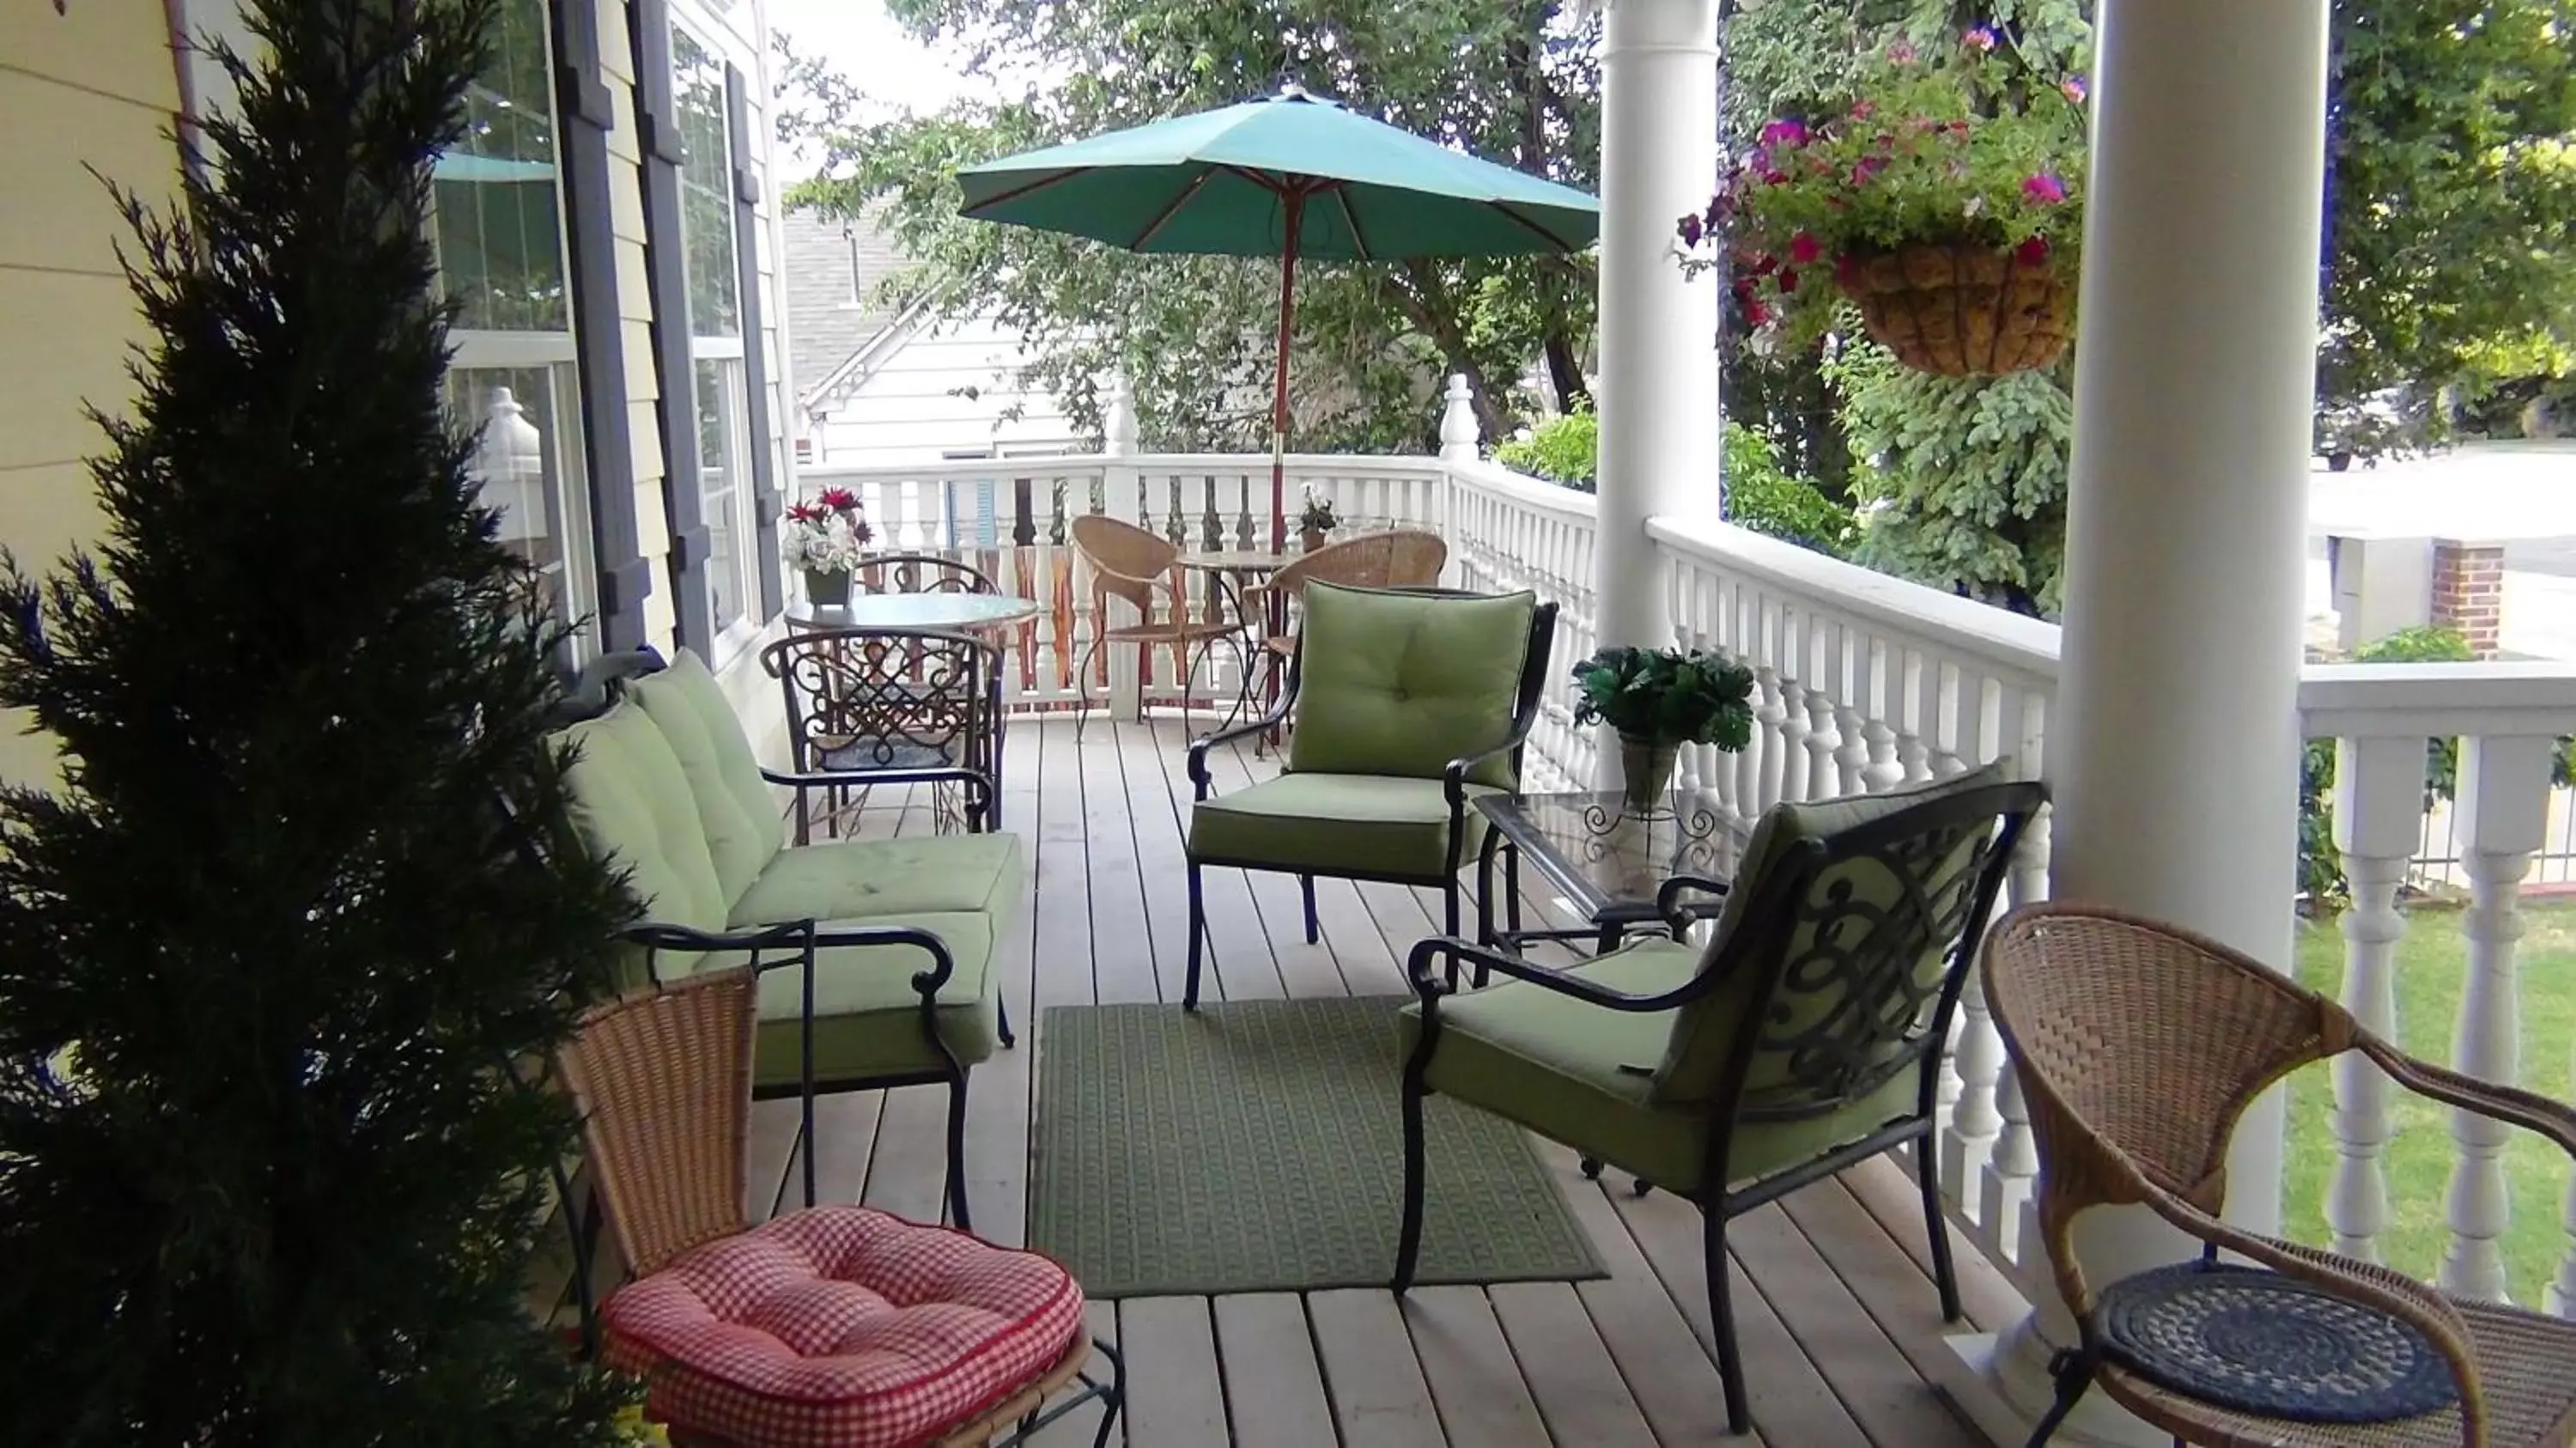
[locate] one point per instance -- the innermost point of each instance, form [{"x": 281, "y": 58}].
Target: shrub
[{"x": 1760, "y": 493}]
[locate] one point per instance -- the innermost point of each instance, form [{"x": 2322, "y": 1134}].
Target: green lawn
[{"x": 2431, "y": 962}]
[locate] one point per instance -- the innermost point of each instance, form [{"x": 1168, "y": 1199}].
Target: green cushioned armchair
[
  {"x": 1407, "y": 704},
  {"x": 1806, "y": 1038}
]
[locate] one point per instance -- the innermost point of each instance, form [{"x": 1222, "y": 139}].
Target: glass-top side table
[{"x": 1608, "y": 866}]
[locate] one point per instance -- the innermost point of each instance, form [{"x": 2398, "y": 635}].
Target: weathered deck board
[{"x": 1835, "y": 1311}]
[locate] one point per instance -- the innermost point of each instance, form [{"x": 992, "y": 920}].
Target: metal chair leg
[
  {"x": 2073, "y": 1370},
  {"x": 1314, "y": 927},
  {"x": 957, "y": 1212},
  {"x": 1002, "y": 1020},
  {"x": 1198, "y": 940},
  {"x": 1408, "y": 1241},
  {"x": 1927, "y": 1173},
  {"x": 1721, "y": 1317}
]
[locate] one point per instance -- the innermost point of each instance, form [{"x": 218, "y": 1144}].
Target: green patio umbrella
[{"x": 1289, "y": 176}]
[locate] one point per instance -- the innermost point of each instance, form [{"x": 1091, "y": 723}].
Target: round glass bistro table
[
  {"x": 955, "y": 612},
  {"x": 1233, "y": 570}
]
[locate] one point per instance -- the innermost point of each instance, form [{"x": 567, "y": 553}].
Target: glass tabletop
[
  {"x": 915, "y": 611},
  {"x": 1610, "y": 866}
]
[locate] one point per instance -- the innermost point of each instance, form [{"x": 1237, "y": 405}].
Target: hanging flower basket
[
  {"x": 1962, "y": 310},
  {"x": 1945, "y": 196}
]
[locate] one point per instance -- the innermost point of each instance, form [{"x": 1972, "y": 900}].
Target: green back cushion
[
  {"x": 632, "y": 804},
  {"x": 1400, "y": 684},
  {"x": 735, "y": 807},
  {"x": 1819, "y": 1000}
]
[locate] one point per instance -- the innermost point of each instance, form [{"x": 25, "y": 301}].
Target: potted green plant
[
  {"x": 1316, "y": 519},
  {"x": 1659, "y": 700},
  {"x": 1944, "y": 199}
]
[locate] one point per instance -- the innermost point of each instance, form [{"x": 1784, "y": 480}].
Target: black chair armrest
[
  {"x": 1200, "y": 780},
  {"x": 1452, "y": 950},
  {"x": 1454, "y": 776},
  {"x": 1668, "y": 899}
]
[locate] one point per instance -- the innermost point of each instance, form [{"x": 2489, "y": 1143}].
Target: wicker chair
[
  {"x": 663, "y": 1082},
  {"x": 2137, "y": 1046},
  {"x": 1401, "y": 558},
  {"x": 868, "y": 706},
  {"x": 1134, "y": 565}
]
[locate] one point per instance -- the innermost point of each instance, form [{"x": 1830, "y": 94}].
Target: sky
[{"x": 857, "y": 38}]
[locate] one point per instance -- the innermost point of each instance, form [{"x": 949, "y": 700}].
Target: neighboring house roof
[{"x": 831, "y": 274}]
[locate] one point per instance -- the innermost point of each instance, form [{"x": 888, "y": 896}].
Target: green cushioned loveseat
[{"x": 904, "y": 986}]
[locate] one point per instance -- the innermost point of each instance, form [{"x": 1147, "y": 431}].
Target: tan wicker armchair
[
  {"x": 1399, "y": 558},
  {"x": 662, "y": 1078},
  {"x": 1134, "y": 565},
  {"x": 2138, "y": 1046}
]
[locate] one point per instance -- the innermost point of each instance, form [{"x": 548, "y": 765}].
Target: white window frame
[{"x": 739, "y": 528}]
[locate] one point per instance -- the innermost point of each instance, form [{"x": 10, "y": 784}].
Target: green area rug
[{"x": 1257, "y": 1146}]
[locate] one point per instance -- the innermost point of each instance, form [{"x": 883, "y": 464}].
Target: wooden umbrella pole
[{"x": 1295, "y": 195}]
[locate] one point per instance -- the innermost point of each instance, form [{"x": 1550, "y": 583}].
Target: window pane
[
  {"x": 528, "y": 421},
  {"x": 722, "y": 489},
  {"x": 499, "y": 238},
  {"x": 706, "y": 190},
  {"x": 497, "y": 227}
]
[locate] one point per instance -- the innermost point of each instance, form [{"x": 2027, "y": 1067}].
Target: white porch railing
[{"x": 1864, "y": 682}]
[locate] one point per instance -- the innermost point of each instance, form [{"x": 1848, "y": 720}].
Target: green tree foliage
[
  {"x": 1964, "y": 483},
  {"x": 308, "y": 890},
  {"x": 2452, "y": 147},
  {"x": 1512, "y": 80},
  {"x": 1761, "y": 494}
]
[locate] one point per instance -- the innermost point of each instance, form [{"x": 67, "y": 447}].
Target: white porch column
[
  {"x": 1658, "y": 392},
  {"x": 2175, "y": 752}
]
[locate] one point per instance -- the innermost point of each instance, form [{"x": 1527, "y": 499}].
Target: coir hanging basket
[{"x": 1959, "y": 310}]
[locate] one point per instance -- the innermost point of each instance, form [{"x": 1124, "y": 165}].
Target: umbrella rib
[
  {"x": 1550, "y": 237},
  {"x": 1163, "y": 217},
  {"x": 1359, "y": 238},
  {"x": 1016, "y": 192}
]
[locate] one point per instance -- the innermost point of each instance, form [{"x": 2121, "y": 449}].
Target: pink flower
[
  {"x": 1902, "y": 52},
  {"x": 1866, "y": 168},
  {"x": 838, "y": 500},
  {"x": 1863, "y": 110},
  {"x": 1755, "y": 314},
  {"x": 1787, "y": 281},
  {"x": 1760, "y": 264},
  {"x": 1690, "y": 230},
  {"x": 2075, "y": 88},
  {"x": 2032, "y": 252},
  {"x": 2044, "y": 189},
  {"x": 1980, "y": 38},
  {"x": 1774, "y": 178},
  {"x": 1804, "y": 248},
  {"x": 1788, "y": 131}
]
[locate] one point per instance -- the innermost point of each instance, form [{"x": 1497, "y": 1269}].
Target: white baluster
[
  {"x": 2504, "y": 796},
  {"x": 1978, "y": 1058},
  {"x": 2378, "y": 814},
  {"x": 1922, "y": 713},
  {"x": 1825, "y": 693},
  {"x": 1458, "y": 428}
]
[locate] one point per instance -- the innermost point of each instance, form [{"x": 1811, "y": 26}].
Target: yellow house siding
[{"x": 92, "y": 88}]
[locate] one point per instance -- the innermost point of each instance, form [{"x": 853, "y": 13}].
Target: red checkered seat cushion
[{"x": 841, "y": 1327}]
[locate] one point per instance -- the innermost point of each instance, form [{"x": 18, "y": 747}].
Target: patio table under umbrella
[{"x": 1289, "y": 176}]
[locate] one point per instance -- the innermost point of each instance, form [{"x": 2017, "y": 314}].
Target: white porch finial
[
  {"x": 1118, "y": 420},
  {"x": 1459, "y": 436}
]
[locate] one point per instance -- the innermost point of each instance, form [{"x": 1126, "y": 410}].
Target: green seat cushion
[
  {"x": 1401, "y": 684},
  {"x": 631, "y": 802},
  {"x": 1584, "y": 1075},
  {"x": 1695, "y": 1063},
  {"x": 736, "y": 809},
  {"x": 847, "y": 879},
  {"x": 1336, "y": 824},
  {"x": 867, "y": 1016}
]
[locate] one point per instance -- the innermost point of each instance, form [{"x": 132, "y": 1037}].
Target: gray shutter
[
  {"x": 657, "y": 125},
  {"x": 582, "y": 122},
  {"x": 755, "y": 354}
]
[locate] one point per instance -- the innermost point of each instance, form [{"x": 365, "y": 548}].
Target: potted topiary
[
  {"x": 826, "y": 540},
  {"x": 1659, "y": 700},
  {"x": 1944, "y": 200}
]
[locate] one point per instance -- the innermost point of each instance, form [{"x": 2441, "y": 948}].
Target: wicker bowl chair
[
  {"x": 825, "y": 1327},
  {"x": 2138, "y": 1045},
  {"x": 1134, "y": 565}
]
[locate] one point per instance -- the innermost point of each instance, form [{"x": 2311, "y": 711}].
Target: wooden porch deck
[{"x": 1837, "y": 1316}]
